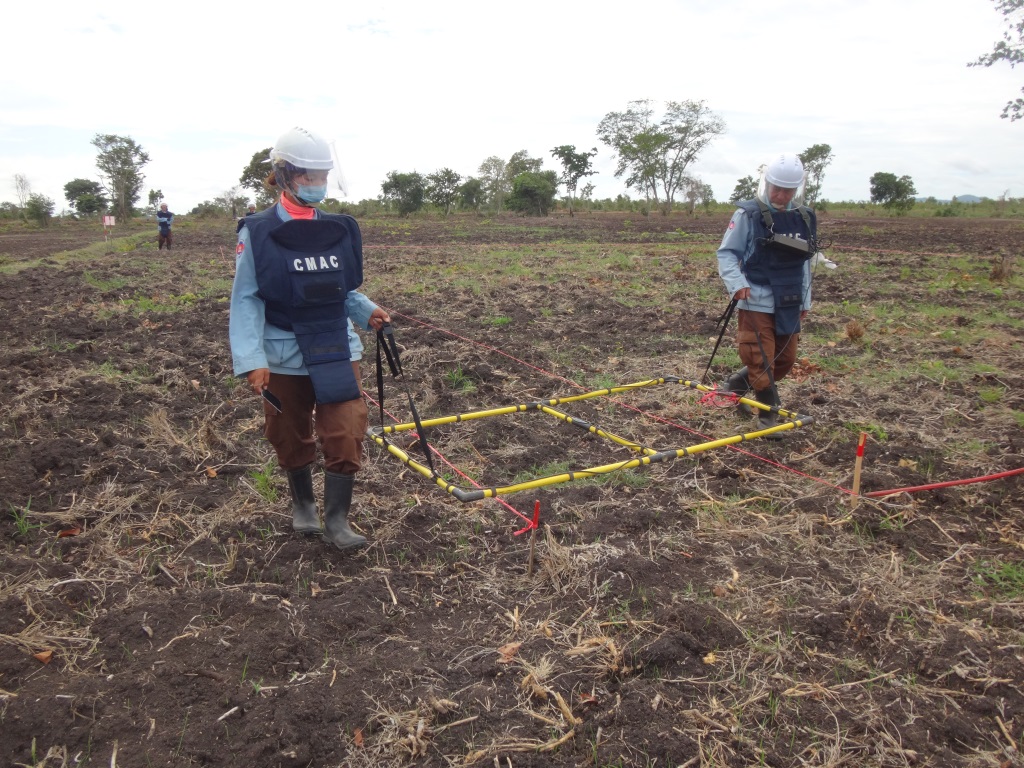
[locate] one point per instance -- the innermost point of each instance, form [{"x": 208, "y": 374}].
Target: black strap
[
  {"x": 724, "y": 319},
  {"x": 766, "y": 216},
  {"x": 386, "y": 342},
  {"x": 768, "y": 364},
  {"x": 769, "y": 222},
  {"x": 807, "y": 221}
]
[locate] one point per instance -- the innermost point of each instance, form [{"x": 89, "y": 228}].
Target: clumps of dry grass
[
  {"x": 406, "y": 735},
  {"x": 855, "y": 330},
  {"x": 536, "y": 685},
  {"x": 518, "y": 745},
  {"x": 568, "y": 569},
  {"x": 1002, "y": 268},
  {"x": 537, "y": 675},
  {"x": 56, "y": 757},
  {"x": 48, "y": 638},
  {"x": 607, "y": 655}
]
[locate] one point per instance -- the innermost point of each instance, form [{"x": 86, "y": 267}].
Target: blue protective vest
[
  {"x": 304, "y": 270},
  {"x": 779, "y": 267}
]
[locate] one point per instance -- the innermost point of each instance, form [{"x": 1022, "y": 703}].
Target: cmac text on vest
[{"x": 316, "y": 264}]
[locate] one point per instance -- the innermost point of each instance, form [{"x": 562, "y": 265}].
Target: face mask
[{"x": 310, "y": 194}]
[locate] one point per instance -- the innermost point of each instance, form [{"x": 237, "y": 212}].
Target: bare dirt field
[{"x": 733, "y": 608}]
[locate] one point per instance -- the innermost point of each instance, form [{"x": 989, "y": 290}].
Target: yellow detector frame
[{"x": 648, "y": 455}]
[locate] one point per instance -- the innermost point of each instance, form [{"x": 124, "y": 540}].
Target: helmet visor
[
  {"x": 311, "y": 184},
  {"x": 778, "y": 197}
]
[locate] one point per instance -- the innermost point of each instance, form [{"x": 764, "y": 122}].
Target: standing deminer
[
  {"x": 164, "y": 219},
  {"x": 293, "y": 303},
  {"x": 764, "y": 261},
  {"x": 241, "y": 219}
]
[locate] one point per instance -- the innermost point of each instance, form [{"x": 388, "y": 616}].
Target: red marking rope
[
  {"x": 719, "y": 399},
  {"x": 651, "y": 416},
  {"x": 948, "y": 483},
  {"x": 884, "y": 250},
  {"x": 713, "y": 398}
]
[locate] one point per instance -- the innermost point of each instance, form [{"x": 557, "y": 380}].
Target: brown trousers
[
  {"x": 340, "y": 427},
  {"x": 164, "y": 239},
  {"x": 780, "y": 350}
]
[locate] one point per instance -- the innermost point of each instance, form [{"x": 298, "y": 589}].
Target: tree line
[{"x": 653, "y": 153}]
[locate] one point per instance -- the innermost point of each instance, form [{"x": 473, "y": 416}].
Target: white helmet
[
  {"x": 785, "y": 171},
  {"x": 303, "y": 149},
  {"x": 299, "y": 152}
]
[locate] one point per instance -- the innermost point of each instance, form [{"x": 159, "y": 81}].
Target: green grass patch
[
  {"x": 543, "y": 470},
  {"x": 459, "y": 380},
  {"x": 1000, "y": 579}
]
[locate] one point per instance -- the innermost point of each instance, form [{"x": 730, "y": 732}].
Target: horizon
[{"x": 400, "y": 90}]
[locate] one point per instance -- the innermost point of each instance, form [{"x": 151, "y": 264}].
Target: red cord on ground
[{"x": 948, "y": 483}]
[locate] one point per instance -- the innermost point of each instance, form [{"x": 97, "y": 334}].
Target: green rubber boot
[
  {"x": 337, "y": 501},
  {"x": 767, "y": 419},
  {"x": 304, "y": 515},
  {"x": 739, "y": 384}
]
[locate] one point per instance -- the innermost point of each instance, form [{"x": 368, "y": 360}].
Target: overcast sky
[{"x": 419, "y": 86}]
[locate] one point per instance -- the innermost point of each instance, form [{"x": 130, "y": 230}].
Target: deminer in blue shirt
[
  {"x": 765, "y": 262},
  {"x": 293, "y": 304},
  {"x": 164, "y": 219}
]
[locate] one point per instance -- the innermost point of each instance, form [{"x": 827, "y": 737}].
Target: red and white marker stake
[{"x": 855, "y": 499}]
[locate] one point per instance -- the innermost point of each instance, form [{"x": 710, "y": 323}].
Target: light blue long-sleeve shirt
[
  {"x": 255, "y": 343},
  {"x": 738, "y": 246}
]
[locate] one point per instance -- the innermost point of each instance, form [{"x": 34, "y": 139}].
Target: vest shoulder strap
[{"x": 769, "y": 223}]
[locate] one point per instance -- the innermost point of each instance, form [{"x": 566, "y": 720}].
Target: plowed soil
[{"x": 736, "y": 607}]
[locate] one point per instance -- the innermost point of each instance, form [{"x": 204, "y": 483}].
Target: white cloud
[{"x": 420, "y": 86}]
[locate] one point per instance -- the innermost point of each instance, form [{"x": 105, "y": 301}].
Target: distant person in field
[
  {"x": 241, "y": 219},
  {"x": 293, "y": 305},
  {"x": 764, "y": 261},
  {"x": 164, "y": 219}
]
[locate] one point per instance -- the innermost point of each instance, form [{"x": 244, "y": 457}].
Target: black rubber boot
[
  {"x": 304, "y": 515},
  {"x": 767, "y": 419},
  {"x": 739, "y": 384},
  {"x": 337, "y": 501}
]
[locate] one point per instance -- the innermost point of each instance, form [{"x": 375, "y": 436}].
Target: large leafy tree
[
  {"x": 895, "y": 194},
  {"x": 521, "y": 163},
  {"x": 86, "y": 197},
  {"x": 697, "y": 193},
  {"x": 745, "y": 189},
  {"x": 575, "y": 166},
  {"x": 533, "y": 193},
  {"x": 156, "y": 198},
  {"x": 120, "y": 161},
  {"x": 232, "y": 201},
  {"x": 471, "y": 193},
  {"x": 1010, "y": 49},
  {"x": 443, "y": 189},
  {"x": 815, "y": 159},
  {"x": 495, "y": 181},
  {"x": 404, "y": 190},
  {"x": 255, "y": 174},
  {"x": 39, "y": 208},
  {"x": 653, "y": 154}
]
